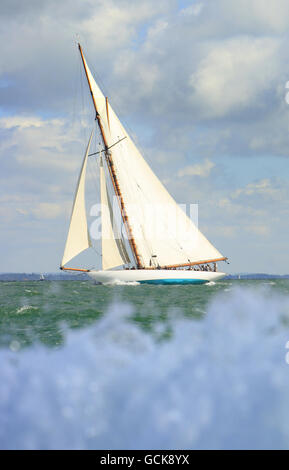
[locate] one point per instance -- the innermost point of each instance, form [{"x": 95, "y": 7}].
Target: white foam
[
  {"x": 24, "y": 308},
  {"x": 221, "y": 382},
  {"x": 116, "y": 282}
]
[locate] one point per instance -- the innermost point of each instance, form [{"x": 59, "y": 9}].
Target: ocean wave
[
  {"x": 24, "y": 308},
  {"x": 221, "y": 382}
]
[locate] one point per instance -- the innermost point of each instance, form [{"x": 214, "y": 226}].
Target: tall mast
[{"x": 112, "y": 172}]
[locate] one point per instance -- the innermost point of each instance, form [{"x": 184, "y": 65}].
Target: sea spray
[{"x": 218, "y": 382}]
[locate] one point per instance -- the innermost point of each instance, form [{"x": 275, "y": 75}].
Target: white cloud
[
  {"x": 234, "y": 74},
  {"x": 194, "y": 9},
  {"x": 47, "y": 210},
  {"x": 254, "y": 16},
  {"x": 264, "y": 188},
  {"x": 200, "y": 169},
  {"x": 182, "y": 76},
  {"x": 10, "y": 122},
  {"x": 259, "y": 230},
  {"x": 114, "y": 24},
  {"x": 41, "y": 143}
]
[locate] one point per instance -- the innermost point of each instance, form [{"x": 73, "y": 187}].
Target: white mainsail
[
  {"x": 176, "y": 240},
  {"x": 78, "y": 238},
  {"x": 113, "y": 250}
]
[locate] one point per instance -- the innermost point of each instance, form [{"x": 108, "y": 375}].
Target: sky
[{"x": 202, "y": 87}]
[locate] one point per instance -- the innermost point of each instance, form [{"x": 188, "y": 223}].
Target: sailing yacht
[{"x": 133, "y": 252}]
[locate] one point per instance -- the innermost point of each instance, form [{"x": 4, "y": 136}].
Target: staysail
[
  {"x": 164, "y": 238},
  {"x": 113, "y": 249},
  {"x": 78, "y": 238}
]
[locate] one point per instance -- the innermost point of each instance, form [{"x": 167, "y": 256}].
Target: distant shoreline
[{"x": 6, "y": 277}]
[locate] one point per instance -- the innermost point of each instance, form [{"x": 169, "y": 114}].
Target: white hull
[{"x": 156, "y": 276}]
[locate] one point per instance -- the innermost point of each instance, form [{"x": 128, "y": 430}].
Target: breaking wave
[
  {"x": 24, "y": 308},
  {"x": 116, "y": 282},
  {"x": 219, "y": 382}
]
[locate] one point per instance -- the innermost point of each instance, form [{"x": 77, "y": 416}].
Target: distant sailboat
[
  {"x": 42, "y": 278},
  {"x": 135, "y": 254}
]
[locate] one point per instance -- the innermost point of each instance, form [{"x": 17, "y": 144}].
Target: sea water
[{"x": 84, "y": 366}]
